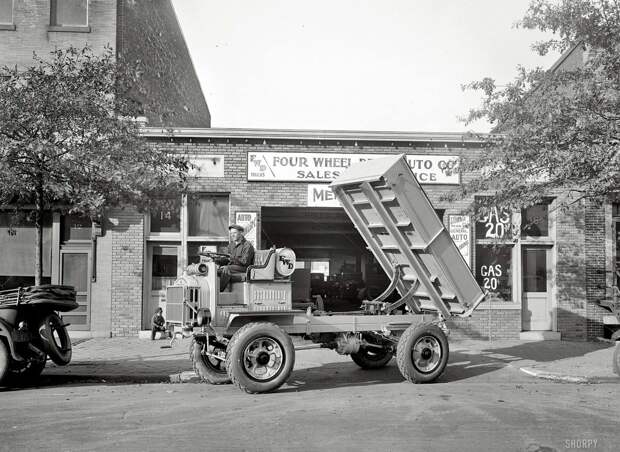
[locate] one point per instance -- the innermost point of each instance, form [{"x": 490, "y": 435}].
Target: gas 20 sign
[{"x": 494, "y": 223}]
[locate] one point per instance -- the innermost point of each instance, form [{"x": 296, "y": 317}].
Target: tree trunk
[{"x": 38, "y": 241}]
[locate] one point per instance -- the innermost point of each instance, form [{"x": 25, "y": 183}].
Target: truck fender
[{"x": 5, "y": 331}]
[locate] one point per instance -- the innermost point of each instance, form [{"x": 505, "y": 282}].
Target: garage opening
[{"x": 332, "y": 259}]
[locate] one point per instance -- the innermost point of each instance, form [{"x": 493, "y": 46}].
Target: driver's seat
[{"x": 264, "y": 266}]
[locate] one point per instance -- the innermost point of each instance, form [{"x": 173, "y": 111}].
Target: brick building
[
  {"x": 544, "y": 276},
  {"x": 138, "y": 30}
]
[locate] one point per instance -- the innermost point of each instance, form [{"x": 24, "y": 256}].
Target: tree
[
  {"x": 555, "y": 130},
  {"x": 70, "y": 141}
]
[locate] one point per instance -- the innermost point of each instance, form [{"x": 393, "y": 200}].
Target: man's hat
[{"x": 237, "y": 227}]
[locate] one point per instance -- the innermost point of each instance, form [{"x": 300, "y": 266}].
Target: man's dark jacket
[{"x": 241, "y": 253}]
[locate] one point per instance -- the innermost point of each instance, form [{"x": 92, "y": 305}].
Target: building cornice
[{"x": 321, "y": 135}]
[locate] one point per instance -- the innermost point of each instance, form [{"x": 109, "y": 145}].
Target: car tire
[
  {"x": 55, "y": 339},
  {"x": 4, "y": 361}
]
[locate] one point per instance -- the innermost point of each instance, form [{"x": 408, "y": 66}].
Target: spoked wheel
[
  {"x": 422, "y": 353},
  {"x": 260, "y": 357},
  {"x": 209, "y": 368},
  {"x": 55, "y": 339}
]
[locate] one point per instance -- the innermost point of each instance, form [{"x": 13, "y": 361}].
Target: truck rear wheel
[
  {"x": 260, "y": 357},
  {"x": 209, "y": 369},
  {"x": 372, "y": 357},
  {"x": 422, "y": 353}
]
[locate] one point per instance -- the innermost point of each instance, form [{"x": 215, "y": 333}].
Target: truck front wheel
[
  {"x": 422, "y": 353},
  {"x": 260, "y": 357}
]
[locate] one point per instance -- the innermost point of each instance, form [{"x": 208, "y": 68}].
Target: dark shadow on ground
[
  {"x": 461, "y": 366},
  {"x": 545, "y": 351}
]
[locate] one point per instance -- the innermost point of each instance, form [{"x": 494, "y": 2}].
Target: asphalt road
[{"x": 480, "y": 404}]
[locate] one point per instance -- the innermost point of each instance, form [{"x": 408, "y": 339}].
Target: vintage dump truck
[{"x": 243, "y": 335}]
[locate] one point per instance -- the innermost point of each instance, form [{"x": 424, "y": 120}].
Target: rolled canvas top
[{"x": 398, "y": 223}]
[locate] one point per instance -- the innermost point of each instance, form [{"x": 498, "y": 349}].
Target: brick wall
[
  {"x": 127, "y": 235},
  {"x": 487, "y": 324},
  {"x": 595, "y": 268},
  {"x": 571, "y": 246},
  {"x": 245, "y": 195},
  {"x": 571, "y": 273},
  {"x": 31, "y": 19}
]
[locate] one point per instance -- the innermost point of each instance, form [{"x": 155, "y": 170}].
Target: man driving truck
[{"x": 241, "y": 256}]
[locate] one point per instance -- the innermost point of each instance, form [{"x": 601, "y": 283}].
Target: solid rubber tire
[
  {"x": 4, "y": 361},
  {"x": 404, "y": 358},
  {"x": 60, "y": 354},
  {"x": 366, "y": 360},
  {"x": 237, "y": 345},
  {"x": 617, "y": 358},
  {"x": 203, "y": 367}
]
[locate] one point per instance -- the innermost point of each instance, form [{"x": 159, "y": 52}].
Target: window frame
[
  {"x": 54, "y": 26},
  {"x": 206, "y": 238},
  {"x": 9, "y": 26}
]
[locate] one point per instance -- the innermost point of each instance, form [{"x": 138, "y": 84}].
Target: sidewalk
[
  {"x": 129, "y": 359},
  {"x": 564, "y": 361}
]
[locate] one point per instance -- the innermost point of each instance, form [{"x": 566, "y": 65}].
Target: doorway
[
  {"x": 162, "y": 270},
  {"x": 537, "y": 309},
  {"x": 75, "y": 271}
]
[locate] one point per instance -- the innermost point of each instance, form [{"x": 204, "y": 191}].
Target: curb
[
  {"x": 136, "y": 379},
  {"x": 557, "y": 377},
  {"x": 184, "y": 377}
]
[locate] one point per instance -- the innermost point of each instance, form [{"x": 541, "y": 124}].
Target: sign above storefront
[
  {"x": 320, "y": 195},
  {"x": 325, "y": 167}
]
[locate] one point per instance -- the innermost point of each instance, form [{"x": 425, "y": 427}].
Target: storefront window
[
  {"x": 535, "y": 221},
  {"x": 208, "y": 216},
  {"x": 69, "y": 12},
  {"x": 164, "y": 266},
  {"x": 166, "y": 217},
  {"x": 534, "y": 270},
  {"x": 193, "y": 248},
  {"x": 494, "y": 223},
  {"x": 494, "y": 271},
  {"x": 17, "y": 237},
  {"x": 76, "y": 227}
]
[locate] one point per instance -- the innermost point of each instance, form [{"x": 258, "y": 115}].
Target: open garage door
[{"x": 334, "y": 260}]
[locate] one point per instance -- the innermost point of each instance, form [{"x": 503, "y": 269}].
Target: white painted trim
[{"x": 309, "y": 134}]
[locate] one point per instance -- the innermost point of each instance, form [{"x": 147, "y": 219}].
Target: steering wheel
[{"x": 213, "y": 254}]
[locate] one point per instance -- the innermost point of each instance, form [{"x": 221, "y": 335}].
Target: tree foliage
[
  {"x": 70, "y": 141},
  {"x": 555, "y": 130}
]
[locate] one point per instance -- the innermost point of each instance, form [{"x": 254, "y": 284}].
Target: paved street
[{"x": 483, "y": 402}]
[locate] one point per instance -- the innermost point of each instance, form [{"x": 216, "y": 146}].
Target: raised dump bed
[{"x": 396, "y": 219}]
